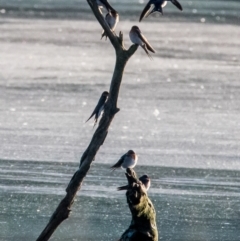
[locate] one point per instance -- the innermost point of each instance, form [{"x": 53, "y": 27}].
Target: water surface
[{"x": 179, "y": 112}]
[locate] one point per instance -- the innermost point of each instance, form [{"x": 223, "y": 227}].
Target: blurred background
[
  {"x": 217, "y": 11},
  {"x": 180, "y": 113}
]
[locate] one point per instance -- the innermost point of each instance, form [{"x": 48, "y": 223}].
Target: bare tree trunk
[
  {"x": 122, "y": 55},
  {"x": 143, "y": 225}
]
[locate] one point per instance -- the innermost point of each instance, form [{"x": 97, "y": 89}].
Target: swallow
[
  {"x": 158, "y": 5},
  {"x": 128, "y": 160},
  {"x": 111, "y": 18},
  {"x": 145, "y": 181},
  {"x": 138, "y": 38},
  {"x": 99, "y": 108},
  {"x": 105, "y": 4}
]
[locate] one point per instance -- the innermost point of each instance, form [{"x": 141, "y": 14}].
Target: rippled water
[
  {"x": 191, "y": 204},
  {"x": 179, "y": 112}
]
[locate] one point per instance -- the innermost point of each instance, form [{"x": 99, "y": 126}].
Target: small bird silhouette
[
  {"x": 145, "y": 181},
  {"x": 99, "y": 108},
  {"x": 112, "y": 18},
  {"x": 128, "y": 160},
  {"x": 105, "y": 4},
  {"x": 158, "y": 5},
  {"x": 137, "y": 37}
]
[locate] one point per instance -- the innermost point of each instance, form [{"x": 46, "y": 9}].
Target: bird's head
[
  {"x": 105, "y": 93},
  {"x": 135, "y": 28}
]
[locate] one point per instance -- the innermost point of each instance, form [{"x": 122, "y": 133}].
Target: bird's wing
[
  {"x": 177, "y": 4},
  {"x": 119, "y": 163},
  {"x": 142, "y": 37},
  {"x": 145, "y": 11},
  {"x": 94, "y": 112},
  {"x": 151, "y": 10},
  {"x": 100, "y": 103}
]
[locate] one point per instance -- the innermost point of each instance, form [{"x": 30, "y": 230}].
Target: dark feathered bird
[
  {"x": 99, "y": 108},
  {"x": 112, "y": 18},
  {"x": 157, "y": 6}
]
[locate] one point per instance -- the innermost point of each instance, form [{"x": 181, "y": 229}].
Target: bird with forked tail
[
  {"x": 128, "y": 160},
  {"x": 157, "y": 6},
  {"x": 138, "y": 38},
  {"x": 99, "y": 108}
]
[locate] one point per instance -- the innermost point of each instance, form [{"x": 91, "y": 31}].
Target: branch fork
[{"x": 63, "y": 210}]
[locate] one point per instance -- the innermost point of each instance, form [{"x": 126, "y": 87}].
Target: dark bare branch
[{"x": 62, "y": 212}]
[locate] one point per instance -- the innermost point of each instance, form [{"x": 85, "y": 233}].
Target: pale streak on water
[{"x": 180, "y": 113}]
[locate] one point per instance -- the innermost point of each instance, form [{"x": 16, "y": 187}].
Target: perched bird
[
  {"x": 99, "y": 108},
  {"x": 145, "y": 181},
  {"x": 128, "y": 160},
  {"x": 105, "y": 4},
  {"x": 137, "y": 37},
  {"x": 158, "y": 5},
  {"x": 112, "y": 18}
]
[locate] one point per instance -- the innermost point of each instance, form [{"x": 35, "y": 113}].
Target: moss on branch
[{"x": 143, "y": 225}]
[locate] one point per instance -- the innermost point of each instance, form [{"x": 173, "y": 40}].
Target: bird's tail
[
  {"x": 122, "y": 188},
  {"x": 145, "y": 49},
  {"x": 113, "y": 168},
  {"x": 104, "y": 35}
]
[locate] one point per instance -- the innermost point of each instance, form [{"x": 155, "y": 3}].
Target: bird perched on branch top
[
  {"x": 105, "y": 4},
  {"x": 157, "y": 6},
  {"x": 137, "y": 37},
  {"x": 145, "y": 181},
  {"x": 99, "y": 108},
  {"x": 112, "y": 18},
  {"x": 128, "y": 160}
]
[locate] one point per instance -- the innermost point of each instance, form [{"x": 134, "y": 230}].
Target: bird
[
  {"x": 105, "y": 4},
  {"x": 128, "y": 160},
  {"x": 145, "y": 181},
  {"x": 111, "y": 18},
  {"x": 158, "y": 5},
  {"x": 138, "y": 38},
  {"x": 99, "y": 108}
]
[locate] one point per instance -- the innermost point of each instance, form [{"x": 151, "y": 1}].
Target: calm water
[{"x": 180, "y": 113}]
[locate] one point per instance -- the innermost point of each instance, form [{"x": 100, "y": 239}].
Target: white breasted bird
[
  {"x": 128, "y": 160},
  {"x": 111, "y": 18},
  {"x": 138, "y": 38},
  {"x": 157, "y": 6},
  {"x": 99, "y": 108}
]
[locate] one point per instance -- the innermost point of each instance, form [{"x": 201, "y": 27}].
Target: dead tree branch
[
  {"x": 143, "y": 225},
  {"x": 122, "y": 55}
]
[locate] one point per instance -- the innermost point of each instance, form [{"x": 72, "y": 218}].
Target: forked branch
[{"x": 122, "y": 55}]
